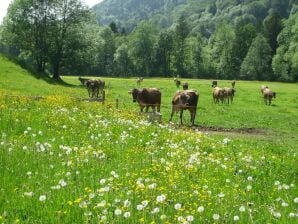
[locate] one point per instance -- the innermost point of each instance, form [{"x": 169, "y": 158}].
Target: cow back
[{"x": 149, "y": 96}]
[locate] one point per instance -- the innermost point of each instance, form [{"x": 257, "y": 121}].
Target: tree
[
  {"x": 122, "y": 61},
  {"x": 163, "y": 53},
  {"x": 142, "y": 47},
  {"x": 113, "y": 27},
  {"x": 181, "y": 31},
  {"x": 66, "y": 16},
  {"x": 244, "y": 35},
  {"x": 285, "y": 62},
  {"x": 46, "y": 30},
  {"x": 107, "y": 51},
  {"x": 26, "y": 27},
  {"x": 272, "y": 27},
  {"x": 198, "y": 56},
  {"x": 221, "y": 43},
  {"x": 256, "y": 65}
]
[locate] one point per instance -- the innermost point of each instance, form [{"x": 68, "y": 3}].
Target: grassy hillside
[{"x": 66, "y": 161}]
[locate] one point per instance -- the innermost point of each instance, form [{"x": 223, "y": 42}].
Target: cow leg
[
  {"x": 265, "y": 100},
  {"x": 172, "y": 114},
  {"x": 193, "y": 116},
  {"x": 147, "y": 108},
  {"x": 153, "y": 109},
  {"x": 142, "y": 108},
  {"x": 158, "y": 108},
  {"x": 181, "y": 114},
  {"x": 270, "y": 98}
]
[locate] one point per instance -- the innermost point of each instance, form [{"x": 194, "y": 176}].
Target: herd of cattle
[{"x": 185, "y": 99}]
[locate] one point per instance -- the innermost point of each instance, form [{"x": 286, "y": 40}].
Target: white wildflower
[
  {"x": 118, "y": 211},
  {"x": 201, "y": 209},
  {"x": 42, "y": 198},
  {"x": 236, "y": 218},
  {"x": 126, "y": 215},
  {"x": 216, "y": 216},
  {"x": 177, "y": 206}
]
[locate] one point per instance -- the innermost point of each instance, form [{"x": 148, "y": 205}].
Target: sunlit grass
[{"x": 67, "y": 161}]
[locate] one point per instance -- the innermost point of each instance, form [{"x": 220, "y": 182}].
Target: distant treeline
[{"x": 63, "y": 37}]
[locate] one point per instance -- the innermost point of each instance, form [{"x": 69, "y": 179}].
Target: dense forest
[{"x": 223, "y": 39}]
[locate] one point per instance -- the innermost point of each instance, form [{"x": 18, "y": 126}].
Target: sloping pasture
[{"x": 66, "y": 161}]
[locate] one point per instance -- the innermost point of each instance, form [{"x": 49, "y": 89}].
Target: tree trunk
[{"x": 56, "y": 72}]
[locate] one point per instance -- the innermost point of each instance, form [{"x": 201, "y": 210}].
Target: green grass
[{"x": 91, "y": 160}]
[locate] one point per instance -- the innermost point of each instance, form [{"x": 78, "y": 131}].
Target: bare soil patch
[{"x": 248, "y": 131}]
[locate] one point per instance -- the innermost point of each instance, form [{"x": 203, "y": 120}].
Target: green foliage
[
  {"x": 163, "y": 53},
  {"x": 256, "y": 65},
  {"x": 142, "y": 47},
  {"x": 272, "y": 27},
  {"x": 244, "y": 35},
  {"x": 285, "y": 61},
  {"x": 107, "y": 51},
  {"x": 123, "y": 61},
  {"x": 46, "y": 31}
]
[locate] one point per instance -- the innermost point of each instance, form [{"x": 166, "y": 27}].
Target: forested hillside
[
  {"x": 202, "y": 15},
  {"x": 222, "y": 39}
]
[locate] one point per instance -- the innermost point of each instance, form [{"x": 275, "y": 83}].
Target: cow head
[{"x": 134, "y": 94}]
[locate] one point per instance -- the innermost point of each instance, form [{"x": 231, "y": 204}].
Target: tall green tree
[
  {"x": 142, "y": 47},
  {"x": 256, "y": 65},
  {"x": 46, "y": 30},
  {"x": 272, "y": 27},
  {"x": 285, "y": 62},
  {"x": 26, "y": 27},
  {"x": 163, "y": 53},
  {"x": 244, "y": 35},
  {"x": 107, "y": 51},
  {"x": 221, "y": 43},
  {"x": 122, "y": 61},
  {"x": 66, "y": 16},
  {"x": 198, "y": 56},
  {"x": 181, "y": 31}
]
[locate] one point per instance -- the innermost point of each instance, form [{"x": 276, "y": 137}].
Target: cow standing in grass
[
  {"x": 147, "y": 97},
  {"x": 185, "y": 100},
  {"x": 218, "y": 94},
  {"x": 177, "y": 82},
  {"x": 95, "y": 87},
  {"x": 268, "y": 94},
  {"x": 83, "y": 81},
  {"x": 139, "y": 81},
  {"x": 229, "y": 94}
]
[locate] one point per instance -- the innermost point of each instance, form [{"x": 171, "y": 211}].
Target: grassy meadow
[{"x": 68, "y": 161}]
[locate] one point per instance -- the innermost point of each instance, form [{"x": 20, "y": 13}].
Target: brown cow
[
  {"x": 233, "y": 84},
  {"x": 218, "y": 94},
  {"x": 263, "y": 88},
  {"x": 268, "y": 94},
  {"x": 147, "y": 97},
  {"x": 185, "y": 100},
  {"x": 177, "y": 82},
  {"x": 139, "y": 81},
  {"x": 94, "y": 87},
  {"x": 229, "y": 94},
  {"x": 185, "y": 86},
  {"x": 214, "y": 83}
]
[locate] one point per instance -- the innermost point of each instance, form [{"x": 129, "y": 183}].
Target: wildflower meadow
[{"x": 63, "y": 160}]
